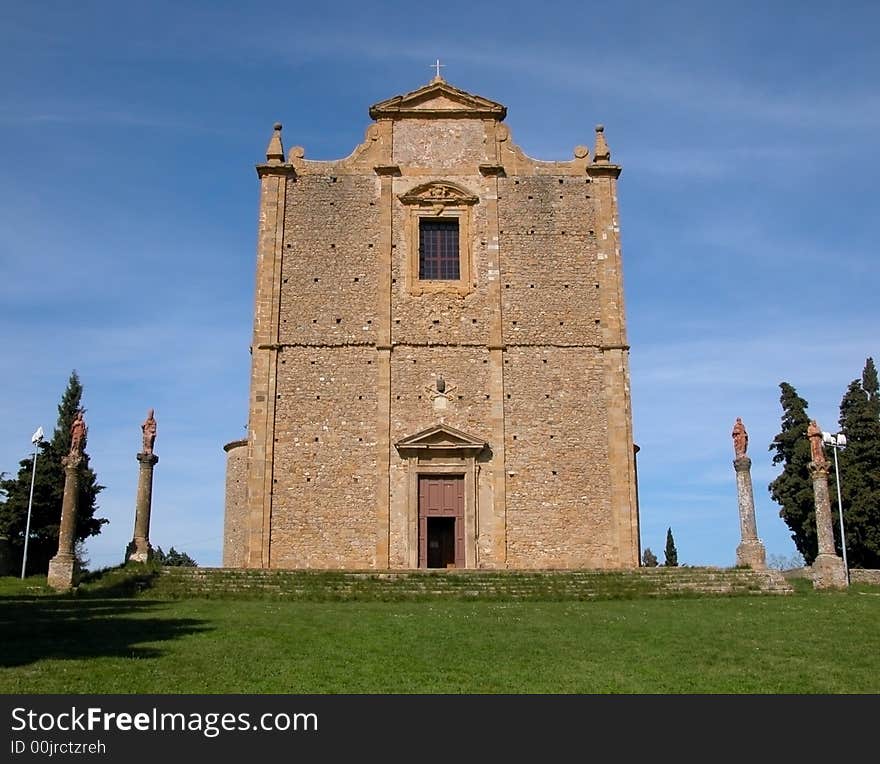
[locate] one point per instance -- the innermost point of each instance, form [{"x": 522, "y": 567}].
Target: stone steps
[{"x": 315, "y": 585}]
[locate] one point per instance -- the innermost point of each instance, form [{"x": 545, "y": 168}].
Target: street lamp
[
  {"x": 837, "y": 442},
  {"x": 36, "y": 439}
]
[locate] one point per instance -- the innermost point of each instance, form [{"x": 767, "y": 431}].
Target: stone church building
[{"x": 440, "y": 372}]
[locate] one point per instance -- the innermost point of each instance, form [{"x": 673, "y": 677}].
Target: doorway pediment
[{"x": 440, "y": 437}]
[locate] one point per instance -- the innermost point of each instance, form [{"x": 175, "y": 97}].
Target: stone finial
[
  {"x": 740, "y": 439},
  {"x": 601, "y": 154},
  {"x": 275, "y": 150}
]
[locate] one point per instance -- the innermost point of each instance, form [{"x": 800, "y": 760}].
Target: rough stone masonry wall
[
  {"x": 329, "y": 272},
  {"x": 325, "y": 423},
  {"x": 559, "y": 509},
  {"x": 325, "y": 459},
  {"x": 550, "y": 288},
  {"x": 415, "y": 369},
  {"x": 235, "y": 521},
  {"x": 558, "y": 503},
  {"x": 863, "y": 576},
  {"x": 441, "y": 143}
]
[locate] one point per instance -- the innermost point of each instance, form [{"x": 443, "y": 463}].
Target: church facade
[{"x": 440, "y": 373}]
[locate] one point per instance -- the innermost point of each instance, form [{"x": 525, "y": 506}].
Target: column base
[
  {"x": 63, "y": 572},
  {"x": 752, "y": 554},
  {"x": 828, "y": 572},
  {"x": 139, "y": 550}
]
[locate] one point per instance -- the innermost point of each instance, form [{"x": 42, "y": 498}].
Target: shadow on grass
[
  {"x": 98, "y": 620},
  {"x": 64, "y": 628}
]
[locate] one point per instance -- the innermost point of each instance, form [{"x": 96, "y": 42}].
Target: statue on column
[
  {"x": 828, "y": 569},
  {"x": 740, "y": 439},
  {"x": 750, "y": 551},
  {"x": 139, "y": 550},
  {"x": 817, "y": 452},
  {"x": 78, "y": 432},
  {"x": 63, "y": 568},
  {"x": 149, "y": 430}
]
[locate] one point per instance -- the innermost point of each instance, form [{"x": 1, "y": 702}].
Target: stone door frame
[
  {"x": 441, "y": 450},
  {"x": 457, "y": 515}
]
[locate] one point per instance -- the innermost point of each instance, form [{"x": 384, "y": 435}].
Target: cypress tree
[
  {"x": 860, "y": 470},
  {"x": 49, "y": 490},
  {"x": 671, "y": 553},
  {"x": 793, "y": 488}
]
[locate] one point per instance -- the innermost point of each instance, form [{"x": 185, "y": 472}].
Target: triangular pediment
[
  {"x": 438, "y": 99},
  {"x": 441, "y": 437}
]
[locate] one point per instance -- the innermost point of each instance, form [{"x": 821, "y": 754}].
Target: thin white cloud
[
  {"x": 35, "y": 114},
  {"x": 626, "y": 77}
]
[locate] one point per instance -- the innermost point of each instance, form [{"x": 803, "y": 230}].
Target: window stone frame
[{"x": 440, "y": 199}]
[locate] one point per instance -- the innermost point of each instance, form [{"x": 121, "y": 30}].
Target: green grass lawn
[{"x": 808, "y": 642}]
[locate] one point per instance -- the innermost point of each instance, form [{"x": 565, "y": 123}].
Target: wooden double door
[{"x": 441, "y": 521}]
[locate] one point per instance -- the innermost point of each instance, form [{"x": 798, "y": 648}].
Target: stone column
[
  {"x": 62, "y": 567},
  {"x": 750, "y": 551},
  {"x": 139, "y": 550},
  {"x": 828, "y": 570}
]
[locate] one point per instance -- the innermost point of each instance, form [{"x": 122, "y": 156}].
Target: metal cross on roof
[{"x": 436, "y": 65}]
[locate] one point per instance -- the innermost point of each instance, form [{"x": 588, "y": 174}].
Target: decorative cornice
[
  {"x": 275, "y": 169},
  {"x": 603, "y": 170},
  {"x": 492, "y": 169},
  {"x": 343, "y": 343}
]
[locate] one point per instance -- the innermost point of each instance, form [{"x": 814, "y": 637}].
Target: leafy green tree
[
  {"x": 671, "y": 553},
  {"x": 649, "y": 559},
  {"x": 793, "y": 488},
  {"x": 173, "y": 558},
  {"x": 860, "y": 470},
  {"x": 48, "y": 491}
]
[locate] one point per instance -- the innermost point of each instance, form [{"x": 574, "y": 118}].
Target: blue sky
[{"x": 128, "y": 209}]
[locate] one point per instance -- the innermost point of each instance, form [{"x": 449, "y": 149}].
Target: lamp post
[
  {"x": 36, "y": 439},
  {"x": 837, "y": 442}
]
